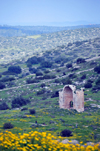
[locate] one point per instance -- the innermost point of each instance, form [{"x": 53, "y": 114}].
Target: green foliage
[
  {"x": 55, "y": 94},
  {"x": 46, "y": 71},
  {"x": 69, "y": 65},
  {"x": 4, "y": 106},
  {"x": 24, "y": 108},
  {"x": 42, "y": 91},
  {"x": 19, "y": 101},
  {"x": 30, "y": 80},
  {"x": 32, "y": 60},
  {"x": 57, "y": 81},
  {"x": 32, "y": 111},
  {"x": 88, "y": 85},
  {"x": 97, "y": 69},
  {"x": 6, "y": 79},
  {"x": 15, "y": 69},
  {"x": 66, "y": 81},
  {"x": 42, "y": 85},
  {"x": 46, "y": 64},
  {"x": 72, "y": 76},
  {"x": 2, "y": 85},
  {"x": 32, "y": 70},
  {"x": 66, "y": 133},
  {"x": 49, "y": 76},
  {"x": 39, "y": 73},
  {"x": 80, "y": 60},
  {"x": 83, "y": 76},
  {"x": 97, "y": 81},
  {"x": 8, "y": 126}
]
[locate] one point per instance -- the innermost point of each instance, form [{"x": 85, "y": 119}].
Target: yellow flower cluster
[{"x": 36, "y": 141}]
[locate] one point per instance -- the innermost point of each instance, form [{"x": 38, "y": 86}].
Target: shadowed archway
[{"x": 68, "y": 97}]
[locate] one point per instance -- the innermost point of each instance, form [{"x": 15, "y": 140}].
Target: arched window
[{"x": 71, "y": 103}]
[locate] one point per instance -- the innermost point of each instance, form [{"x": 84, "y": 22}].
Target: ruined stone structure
[{"x": 70, "y": 98}]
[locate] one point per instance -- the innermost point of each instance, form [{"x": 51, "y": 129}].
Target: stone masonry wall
[{"x": 69, "y": 94}]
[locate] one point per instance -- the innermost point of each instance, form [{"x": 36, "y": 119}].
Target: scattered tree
[{"x": 15, "y": 69}]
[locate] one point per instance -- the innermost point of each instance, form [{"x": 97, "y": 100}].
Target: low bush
[
  {"x": 72, "y": 76},
  {"x": 39, "y": 73},
  {"x": 32, "y": 111},
  {"x": 30, "y": 80},
  {"x": 66, "y": 81},
  {"x": 97, "y": 69},
  {"x": 50, "y": 76},
  {"x": 4, "y": 106},
  {"x": 42, "y": 85},
  {"x": 80, "y": 60},
  {"x": 7, "y": 78},
  {"x": 55, "y": 94},
  {"x": 88, "y": 85},
  {"x": 8, "y": 126},
  {"x": 83, "y": 76},
  {"x": 19, "y": 101},
  {"x": 24, "y": 108},
  {"x": 97, "y": 81},
  {"x": 42, "y": 91},
  {"x": 46, "y": 71},
  {"x": 69, "y": 65},
  {"x": 2, "y": 85},
  {"x": 32, "y": 70},
  {"x": 57, "y": 81},
  {"x": 66, "y": 133},
  {"x": 15, "y": 69}
]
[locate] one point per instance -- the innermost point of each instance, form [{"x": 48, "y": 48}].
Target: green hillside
[
  {"x": 35, "y": 68},
  {"x": 13, "y": 48}
]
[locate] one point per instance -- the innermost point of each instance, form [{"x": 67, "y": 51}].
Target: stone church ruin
[{"x": 70, "y": 98}]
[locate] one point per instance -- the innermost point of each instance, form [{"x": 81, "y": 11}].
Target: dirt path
[{"x": 43, "y": 81}]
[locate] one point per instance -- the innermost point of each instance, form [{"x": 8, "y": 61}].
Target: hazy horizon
[{"x": 49, "y": 13}]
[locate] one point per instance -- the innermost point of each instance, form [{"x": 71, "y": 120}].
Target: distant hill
[
  {"x": 13, "y": 31},
  {"x": 12, "y": 48}
]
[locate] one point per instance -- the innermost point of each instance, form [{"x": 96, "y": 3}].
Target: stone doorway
[{"x": 68, "y": 97}]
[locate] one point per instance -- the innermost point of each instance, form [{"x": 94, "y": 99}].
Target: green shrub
[
  {"x": 97, "y": 81},
  {"x": 46, "y": 64},
  {"x": 32, "y": 111},
  {"x": 7, "y": 78},
  {"x": 19, "y": 101},
  {"x": 66, "y": 81},
  {"x": 46, "y": 71},
  {"x": 15, "y": 69},
  {"x": 4, "y": 106},
  {"x": 30, "y": 80},
  {"x": 80, "y": 60},
  {"x": 83, "y": 76},
  {"x": 55, "y": 94},
  {"x": 42, "y": 91},
  {"x": 2, "y": 85},
  {"x": 8, "y": 126},
  {"x": 88, "y": 85},
  {"x": 69, "y": 65},
  {"x": 57, "y": 80},
  {"x": 66, "y": 133},
  {"x": 39, "y": 73},
  {"x": 72, "y": 76},
  {"x": 42, "y": 85},
  {"x": 24, "y": 108},
  {"x": 97, "y": 69},
  {"x": 49, "y": 76},
  {"x": 32, "y": 70}
]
